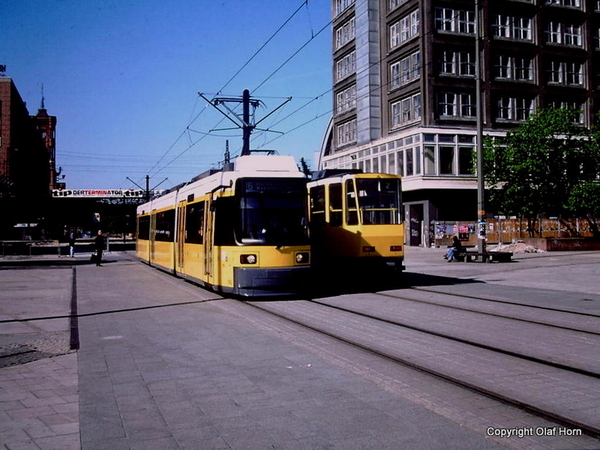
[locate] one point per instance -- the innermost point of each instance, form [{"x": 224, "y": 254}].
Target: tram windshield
[
  {"x": 272, "y": 212},
  {"x": 379, "y": 201}
]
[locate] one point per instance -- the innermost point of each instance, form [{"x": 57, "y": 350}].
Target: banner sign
[{"x": 98, "y": 193}]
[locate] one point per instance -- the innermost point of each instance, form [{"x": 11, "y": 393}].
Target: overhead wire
[
  {"x": 312, "y": 99},
  {"x": 187, "y": 129}
]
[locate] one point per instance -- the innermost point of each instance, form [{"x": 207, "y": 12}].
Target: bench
[{"x": 484, "y": 256}]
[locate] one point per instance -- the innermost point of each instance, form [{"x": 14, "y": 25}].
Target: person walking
[
  {"x": 99, "y": 244},
  {"x": 72, "y": 244}
]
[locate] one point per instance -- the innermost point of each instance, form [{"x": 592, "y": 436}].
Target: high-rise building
[{"x": 405, "y": 98}]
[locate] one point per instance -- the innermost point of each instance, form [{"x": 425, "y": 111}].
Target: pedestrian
[
  {"x": 72, "y": 244},
  {"x": 99, "y": 244},
  {"x": 455, "y": 248}
]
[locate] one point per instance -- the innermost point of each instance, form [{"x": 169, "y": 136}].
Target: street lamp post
[{"x": 481, "y": 225}]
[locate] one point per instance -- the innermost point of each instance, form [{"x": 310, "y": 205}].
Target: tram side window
[
  {"x": 144, "y": 228},
  {"x": 165, "y": 226},
  {"x": 317, "y": 205},
  {"x": 351, "y": 211},
  {"x": 335, "y": 205},
  {"x": 194, "y": 223},
  {"x": 226, "y": 216}
]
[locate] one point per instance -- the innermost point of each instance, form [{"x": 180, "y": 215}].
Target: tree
[{"x": 544, "y": 166}]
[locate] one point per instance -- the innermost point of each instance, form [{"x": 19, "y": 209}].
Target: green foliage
[{"x": 542, "y": 166}]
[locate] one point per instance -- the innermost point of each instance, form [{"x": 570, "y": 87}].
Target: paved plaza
[{"x": 153, "y": 362}]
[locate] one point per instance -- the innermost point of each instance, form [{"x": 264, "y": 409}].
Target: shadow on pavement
[{"x": 346, "y": 283}]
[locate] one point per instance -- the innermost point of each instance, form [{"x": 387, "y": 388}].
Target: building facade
[
  {"x": 405, "y": 99},
  {"x": 27, "y": 161}
]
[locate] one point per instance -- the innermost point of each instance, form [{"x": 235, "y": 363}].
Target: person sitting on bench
[{"x": 453, "y": 250}]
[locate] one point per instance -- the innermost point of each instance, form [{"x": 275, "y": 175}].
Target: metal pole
[
  {"x": 246, "y": 127},
  {"x": 481, "y": 225}
]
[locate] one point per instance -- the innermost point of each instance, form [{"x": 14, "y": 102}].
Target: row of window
[
  {"x": 428, "y": 159},
  {"x": 456, "y": 106},
  {"x": 515, "y": 68},
  {"x": 503, "y": 26},
  {"x": 460, "y": 63},
  {"x": 393, "y": 4}
]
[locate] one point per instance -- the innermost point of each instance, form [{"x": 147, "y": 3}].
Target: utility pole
[
  {"x": 246, "y": 121},
  {"x": 481, "y": 225},
  {"x": 147, "y": 190},
  {"x": 246, "y": 127}
]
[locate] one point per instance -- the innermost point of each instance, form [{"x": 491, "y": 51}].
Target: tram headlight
[
  {"x": 302, "y": 258},
  {"x": 248, "y": 259},
  {"x": 396, "y": 248}
]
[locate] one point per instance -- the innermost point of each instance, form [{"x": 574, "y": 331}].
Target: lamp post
[{"x": 481, "y": 225}]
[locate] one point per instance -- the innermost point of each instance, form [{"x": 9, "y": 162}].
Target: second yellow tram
[{"x": 356, "y": 219}]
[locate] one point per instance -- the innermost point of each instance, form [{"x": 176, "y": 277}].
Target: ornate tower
[{"x": 46, "y": 126}]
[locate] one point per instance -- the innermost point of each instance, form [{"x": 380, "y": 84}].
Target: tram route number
[{"x": 273, "y": 186}]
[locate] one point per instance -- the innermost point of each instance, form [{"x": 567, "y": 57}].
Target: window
[
  {"x": 165, "y": 226},
  {"x": 455, "y": 105},
  {"x": 570, "y": 3},
  {"x": 346, "y": 100},
  {"x": 466, "y": 160},
  {"x": 317, "y": 205},
  {"x": 396, "y": 3},
  {"x": 351, "y": 209},
  {"x": 346, "y": 66},
  {"x": 406, "y": 110},
  {"x": 405, "y": 71},
  {"x": 447, "y": 160},
  {"x": 346, "y": 133},
  {"x": 512, "y": 68},
  {"x": 143, "y": 228},
  {"x": 379, "y": 201},
  {"x": 342, "y": 5},
  {"x": 514, "y": 108},
  {"x": 459, "y": 63},
  {"x": 564, "y": 34},
  {"x": 194, "y": 223},
  {"x": 335, "y": 204},
  {"x": 568, "y": 104},
  {"x": 345, "y": 33},
  {"x": 400, "y": 162},
  {"x": 508, "y": 27},
  {"x": 405, "y": 29},
  {"x": 567, "y": 73},
  {"x": 455, "y": 21}
]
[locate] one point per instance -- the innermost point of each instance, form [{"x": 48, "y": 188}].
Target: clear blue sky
[{"x": 123, "y": 76}]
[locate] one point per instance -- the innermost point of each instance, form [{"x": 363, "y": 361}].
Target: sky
[{"x": 123, "y": 78}]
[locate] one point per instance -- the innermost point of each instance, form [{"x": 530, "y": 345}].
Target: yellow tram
[
  {"x": 356, "y": 219},
  {"x": 242, "y": 231}
]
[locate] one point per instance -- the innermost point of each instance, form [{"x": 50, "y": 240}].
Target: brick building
[
  {"x": 405, "y": 100},
  {"x": 27, "y": 161}
]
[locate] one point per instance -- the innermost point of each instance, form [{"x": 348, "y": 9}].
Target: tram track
[
  {"x": 499, "y": 373},
  {"x": 591, "y": 325}
]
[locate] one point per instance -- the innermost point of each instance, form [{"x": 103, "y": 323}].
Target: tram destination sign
[{"x": 98, "y": 193}]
